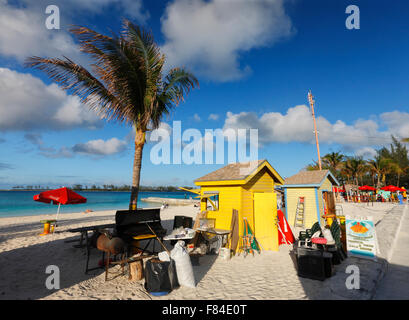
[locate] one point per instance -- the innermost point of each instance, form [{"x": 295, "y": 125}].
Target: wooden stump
[{"x": 136, "y": 270}]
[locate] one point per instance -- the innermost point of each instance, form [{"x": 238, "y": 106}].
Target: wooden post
[
  {"x": 136, "y": 270},
  {"x": 311, "y": 100}
]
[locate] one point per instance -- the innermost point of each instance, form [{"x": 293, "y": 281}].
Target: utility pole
[{"x": 311, "y": 100}]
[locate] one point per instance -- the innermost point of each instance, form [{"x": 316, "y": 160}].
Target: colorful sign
[{"x": 361, "y": 237}]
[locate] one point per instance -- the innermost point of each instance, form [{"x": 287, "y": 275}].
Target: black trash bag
[{"x": 160, "y": 276}]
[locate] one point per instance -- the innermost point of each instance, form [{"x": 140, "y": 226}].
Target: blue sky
[{"x": 255, "y": 61}]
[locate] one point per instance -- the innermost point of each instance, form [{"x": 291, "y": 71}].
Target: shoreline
[
  {"x": 171, "y": 201},
  {"x": 156, "y": 200}
]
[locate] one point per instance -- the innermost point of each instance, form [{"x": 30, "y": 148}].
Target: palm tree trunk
[{"x": 137, "y": 164}]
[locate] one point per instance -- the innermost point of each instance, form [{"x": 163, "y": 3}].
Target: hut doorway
[
  {"x": 265, "y": 220},
  {"x": 329, "y": 202}
]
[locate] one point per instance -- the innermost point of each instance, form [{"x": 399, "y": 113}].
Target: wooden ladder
[{"x": 299, "y": 214}]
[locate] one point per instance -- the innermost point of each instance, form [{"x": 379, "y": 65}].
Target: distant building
[{"x": 316, "y": 188}]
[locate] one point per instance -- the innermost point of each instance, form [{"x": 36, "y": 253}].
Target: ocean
[{"x": 21, "y": 203}]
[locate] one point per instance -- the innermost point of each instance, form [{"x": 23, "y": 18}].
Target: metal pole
[
  {"x": 58, "y": 211},
  {"x": 311, "y": 100}
]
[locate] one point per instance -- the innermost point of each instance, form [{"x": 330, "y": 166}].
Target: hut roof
[
  {"x": 310, "y": 178},
  {"x": 238, "y": 172}
]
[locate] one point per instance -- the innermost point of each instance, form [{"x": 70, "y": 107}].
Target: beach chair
[
  {"x": 304, "y": 237},
  {"x": 337, "y": 250}
]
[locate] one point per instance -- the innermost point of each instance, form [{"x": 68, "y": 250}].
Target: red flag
[{"x": 285, "y": 235}]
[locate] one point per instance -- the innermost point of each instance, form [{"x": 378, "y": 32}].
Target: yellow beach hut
[
  {"x": 315, "y": 189},
  {"x": 248, "y": 188}
]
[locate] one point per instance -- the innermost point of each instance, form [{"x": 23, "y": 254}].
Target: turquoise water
[{"x": 21, "y": 203}]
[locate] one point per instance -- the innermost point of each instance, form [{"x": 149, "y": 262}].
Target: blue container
[{"x": 159, "y": 294}]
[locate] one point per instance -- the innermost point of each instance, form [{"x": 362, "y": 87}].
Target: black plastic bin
[
  {"x": 160, "y": 276},
  {"x": 314, "y": 264}
]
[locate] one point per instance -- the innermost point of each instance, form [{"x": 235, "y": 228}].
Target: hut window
[{"x": 213, "y": 204}]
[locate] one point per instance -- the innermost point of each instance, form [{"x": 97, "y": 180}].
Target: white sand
[{"x": 24, "y": 256}]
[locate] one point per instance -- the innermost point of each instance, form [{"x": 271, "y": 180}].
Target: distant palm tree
[
  {"x": 380, "y": 167},
  {"x": 405, "y": 140},
  {"x": 399, "y": 170},
  {"x": 355, "y": 166},
  {"x": 334, "y": 160},
  {"x": 315, "y": 166},
  {"x": 128, "y": 85}
]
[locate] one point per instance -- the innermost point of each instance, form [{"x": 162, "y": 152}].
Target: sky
[{"x": 255, "y": 61}]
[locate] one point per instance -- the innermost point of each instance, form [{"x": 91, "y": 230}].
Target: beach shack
[
  {"x": 248, "y": 188},
  {"x": 310, "y": 194}
]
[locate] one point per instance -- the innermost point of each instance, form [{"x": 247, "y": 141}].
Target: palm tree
[
  {"x": 380, "y": 167},
  {"x": 346, "y": 172},
  {"x": 128, "y": 85},
  {"x": 355, "y": 166},
  {"x": 405, "y": 140},
  {"x": 333, "y": 160},
  {"x": 399, "y": 170},
  {"x": 315, "y": 166}
]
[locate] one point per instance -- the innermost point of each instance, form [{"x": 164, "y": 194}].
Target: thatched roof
[
  {"x": 312, "y": 178},
  {"x": 231, "y": 172}
]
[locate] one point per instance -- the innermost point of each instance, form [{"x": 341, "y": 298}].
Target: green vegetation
[
  {"x": 390, "y": 166},
  {"x": 80, "y": 187}
]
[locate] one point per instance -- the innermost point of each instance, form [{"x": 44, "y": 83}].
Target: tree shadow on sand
[{"x": 23, "y": 270}]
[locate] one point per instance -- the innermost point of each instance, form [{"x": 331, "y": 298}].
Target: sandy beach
[{"x": 24, "y": 256}]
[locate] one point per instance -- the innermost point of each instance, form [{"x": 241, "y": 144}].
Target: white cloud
[
  {"x": 213, "y": 116},
  {"x": 209, "y": 36},
  {"x": 63, "y": 152},
  {"x": 398, "y": 122},
  {"x": 101, "y": 147},
  {"x": 296, "y": 125},
  {"x": 196, "y": 117},
  {"x": 28, "y": 103},
  {"x": 366, "y": 152},
  {"x": 23, "y": 31}
]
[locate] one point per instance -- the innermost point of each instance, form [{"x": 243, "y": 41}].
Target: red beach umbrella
[
  {"x": 367, "y": 188},
  {"x": 390, "y": 188},
  {"x": 60, "y": 196}
]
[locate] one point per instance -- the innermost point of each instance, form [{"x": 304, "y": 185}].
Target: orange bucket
[{"x": 46, "y": 229}]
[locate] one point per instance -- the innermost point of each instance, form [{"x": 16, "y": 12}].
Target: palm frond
[{"x": 77, "y": 81}]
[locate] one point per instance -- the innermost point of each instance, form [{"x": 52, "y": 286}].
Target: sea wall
[{"x": 170, "y": 201}]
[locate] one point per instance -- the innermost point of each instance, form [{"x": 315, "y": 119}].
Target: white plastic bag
[
  {"x": 328, "y": 235},
  {"x": 163, "y": 256},
  {"x": 184, "y": 268}
]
